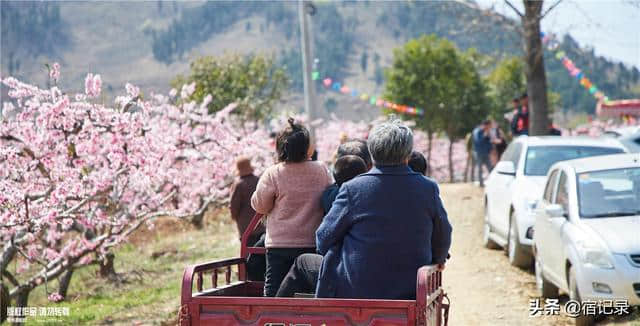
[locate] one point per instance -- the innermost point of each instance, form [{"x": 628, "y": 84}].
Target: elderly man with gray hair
[{"x": 383, "y": 226}]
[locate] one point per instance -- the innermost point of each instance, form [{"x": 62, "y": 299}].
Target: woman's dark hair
[
  {"x": 292, "y": 143},
  {"x": 418, "y": 163}
]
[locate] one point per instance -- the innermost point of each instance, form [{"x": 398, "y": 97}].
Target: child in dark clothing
[
  {"x": 418, "y": 163},
  {"x": 355, "y": 147},
  {"x": 346, "y": 168}
]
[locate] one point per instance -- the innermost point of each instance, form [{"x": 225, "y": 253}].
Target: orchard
[{"x": 77, "y": 177}]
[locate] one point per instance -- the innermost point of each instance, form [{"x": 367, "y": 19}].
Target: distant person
[
  {"x": 513, "y": 116},
  {"x": 520, "y": 121},
  {"x": 469, "y": 171},
  {"x": 242, "y": 213},
  {"x": 356, "y": 147},
  {"x": 554, "y": 131},
  {"x": 352, "y": 147},
  {"x": 418, "y": 163},
  {"x": 499, "y": 143},
  {"x": 288, "y": 194},
  {"x": 346, "y": 168},
  {"x": 343, "y": 138},
  {"x": 482, "y": 147}
]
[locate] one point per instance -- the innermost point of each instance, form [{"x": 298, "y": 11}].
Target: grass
[{"x": 150, "y": 292}]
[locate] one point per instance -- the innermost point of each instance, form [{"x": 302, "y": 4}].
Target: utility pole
[{"x": 306, "y": 9}]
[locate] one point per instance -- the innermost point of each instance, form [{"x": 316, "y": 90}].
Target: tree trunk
[
  {"x": 4, "y": 301},
  {"x": 536, "y": 76},
  {"x": 106, "y": 266},
  {"x": 198, "y": 220},
  {"x": 450, "y": 160},
  {"x": 22, "y": 297},
  {"x": 429, "y": 142},
  {"x": 64, "y": 281}
]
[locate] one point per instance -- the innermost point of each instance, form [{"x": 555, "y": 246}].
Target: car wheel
[
  {"x": 517, "y": 255},
  {"x": 486, "y": 241},
  {"x": 581, "y": 320},
  {"x": 545, "y": 288}
]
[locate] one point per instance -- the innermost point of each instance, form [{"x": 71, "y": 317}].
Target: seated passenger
[
  {"x": 288, "y": 194},
  {"x": 346, "y": 168},
  {"x": 353, "y": 147},
  {"x": 418, "y": 163},
  {"x": 379, "y": 231}
]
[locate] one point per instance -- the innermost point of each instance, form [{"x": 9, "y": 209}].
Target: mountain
[{"x": 149, "y": 43}]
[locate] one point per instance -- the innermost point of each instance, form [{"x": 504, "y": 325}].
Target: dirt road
[{"x": 483, "y": 287}]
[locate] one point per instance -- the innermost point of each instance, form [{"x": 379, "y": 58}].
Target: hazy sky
[{"x": 611, "y": 27}]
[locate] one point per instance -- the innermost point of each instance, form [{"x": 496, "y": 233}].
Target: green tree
[
  {"x": 432, "y": 74},
  {"x": 506, "y": 81},
  {"x": 254, "y": 82}
]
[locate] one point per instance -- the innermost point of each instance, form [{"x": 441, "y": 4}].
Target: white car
[
  {"x": 629, "y": 137},
  {"x": 516, "y": 183},
  {"x": 587, "y": 238}
]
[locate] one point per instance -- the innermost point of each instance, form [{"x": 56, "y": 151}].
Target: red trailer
[{"x": 240, "y": 302}]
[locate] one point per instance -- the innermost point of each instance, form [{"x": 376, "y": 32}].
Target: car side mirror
[
  {"x": 506, "y": 168},
  {"x": 555, "y": 210}
]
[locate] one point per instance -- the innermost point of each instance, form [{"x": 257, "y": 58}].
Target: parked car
[
  {"x": 628, "y": 136},
  {"x": 517, "y": 181},
  {"x": 587, "y": 238}
]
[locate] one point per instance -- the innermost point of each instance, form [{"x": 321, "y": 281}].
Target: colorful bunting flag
[
  {"x": 373, "y": 100},
  {"x": 552, "y": 45}
]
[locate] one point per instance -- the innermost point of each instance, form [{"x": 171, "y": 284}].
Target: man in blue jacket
[
  {"x": 482, "y": 147},
  {"x": 383, "y": 226}
]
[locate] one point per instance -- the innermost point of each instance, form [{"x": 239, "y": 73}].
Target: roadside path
[{"x": 483, "y": 287}]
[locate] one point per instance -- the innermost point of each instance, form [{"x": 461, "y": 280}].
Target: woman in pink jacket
[{"x": 288, "y": 194}]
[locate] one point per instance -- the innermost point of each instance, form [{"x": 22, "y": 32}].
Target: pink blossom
[
  {"x": 54, "y": 72},
  {"x": 7, "y": 109},
  {"x": 51, "y": 254},
  {"x": 55, "y": 297},
  {"x": 66, "y": 223},
  {"x": 88, "y": 85},
  {"x": 92, "y": 85},
  {"x": 132, "y": 91},
  {"x": 97, "y": 85},
  {"x": 85, "y": 260},
  {"x": 187, "y": 90}
]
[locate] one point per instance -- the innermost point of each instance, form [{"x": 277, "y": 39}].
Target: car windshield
[
  {"x": 609, "y": 193},
  {"x": 540, "y": 158}
]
